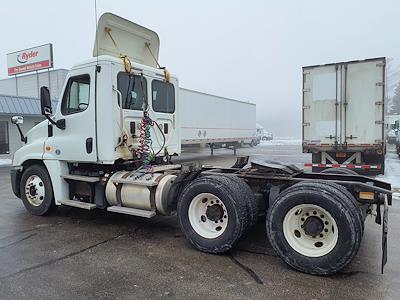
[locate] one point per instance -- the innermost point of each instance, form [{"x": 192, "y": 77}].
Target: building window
[
  {"x": 76, "y": 96},
  {"x": 163, "y": 96},
  {"x": 4, "y": 142}
]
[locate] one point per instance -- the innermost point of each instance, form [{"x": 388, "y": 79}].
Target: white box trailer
[
  {"x": 343, "y": 115},
  {"x": 214, "y": 120}
]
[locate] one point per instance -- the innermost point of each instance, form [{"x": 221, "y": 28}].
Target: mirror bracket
[{"x": 24, "y": 139}]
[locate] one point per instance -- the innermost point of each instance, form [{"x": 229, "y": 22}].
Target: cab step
[
  {"x": 79, "y": 204},
  {"x": 132, "y": 211},
  {"x": 89, "y": 179}
]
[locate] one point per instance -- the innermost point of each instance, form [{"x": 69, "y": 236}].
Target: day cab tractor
[{"x": 110, "y": 144}]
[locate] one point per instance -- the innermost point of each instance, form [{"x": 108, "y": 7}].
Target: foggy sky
[{"x": 247, "y": 50}]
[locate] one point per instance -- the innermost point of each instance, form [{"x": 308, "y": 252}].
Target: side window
[
  {"x": 163, "y": 96},
  {"x": 133, "y": 89},
  {"x": 76, "y": 95},
  {"x": 4, "y": 141}
]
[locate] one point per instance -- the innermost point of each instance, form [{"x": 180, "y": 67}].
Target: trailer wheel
[
  {"x": 211, "y": 216},
  {"x": 36, "y": 191},
  {"x": 243, "y": 190},
  {"x": 313, "y": 229},
  {"x": 339, "y": 171}
]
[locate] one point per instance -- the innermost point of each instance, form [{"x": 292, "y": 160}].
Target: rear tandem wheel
[
  {"x": 314, "y": 228},
  {"x": 213, "y": 214}
]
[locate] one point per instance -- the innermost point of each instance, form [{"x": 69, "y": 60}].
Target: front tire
[
  {"x": 37, "y": 191},
  {"x": 211, "y": 216},
  {"x": 313, "y": 229}
]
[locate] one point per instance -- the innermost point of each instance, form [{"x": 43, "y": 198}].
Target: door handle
[{"x": 89, "y": 145}]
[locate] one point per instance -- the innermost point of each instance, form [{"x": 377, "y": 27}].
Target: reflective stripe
[{"x": 349, "y": 166}]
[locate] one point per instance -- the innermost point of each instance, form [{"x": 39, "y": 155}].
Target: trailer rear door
[
  {"x": 343, "y": 103},
  {"x": 321, "y": 120},
  {"x": 364, "y": 92}
]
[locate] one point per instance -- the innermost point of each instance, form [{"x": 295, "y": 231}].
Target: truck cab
[{"x": 99, "y": 117}]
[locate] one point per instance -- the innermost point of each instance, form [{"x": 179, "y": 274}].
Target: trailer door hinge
[
  {"x": 306, "y": 124},
  {"x": 306, "y": 72},
  {"x": 306, "y": 107},
  {"x": 379, "y": 103},
  {"x": 379, "y": 122},
  {"x": 381, "y": 64},
  {"x": 306, "y": 90},
  {"x": 380, "y": 84}
]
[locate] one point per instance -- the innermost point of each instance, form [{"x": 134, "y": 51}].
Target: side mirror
[
  {"x": 17, "y": 120},
  {"x": 45, "y": 101}
]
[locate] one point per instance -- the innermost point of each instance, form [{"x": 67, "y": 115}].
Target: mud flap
[{"x": 384, "y": 234}]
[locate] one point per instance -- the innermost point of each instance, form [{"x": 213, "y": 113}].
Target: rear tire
[
  {"x": 242, "y": 190},
  {"x": 339, "y": 189},
  {"x": 324, "y": 244},
  {"x": 211, "y": 216},
  {"x": 37, "y": 191}
]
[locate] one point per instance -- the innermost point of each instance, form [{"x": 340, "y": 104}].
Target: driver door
[{"x": 77, "y": 142}]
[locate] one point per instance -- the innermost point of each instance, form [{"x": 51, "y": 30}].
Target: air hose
[{"x": 144, "y": 151}]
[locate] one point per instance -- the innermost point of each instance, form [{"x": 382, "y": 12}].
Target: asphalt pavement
[{"x": 78, "y": 254}]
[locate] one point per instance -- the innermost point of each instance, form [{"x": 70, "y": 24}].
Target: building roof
[{"x": 17, "y": 105}]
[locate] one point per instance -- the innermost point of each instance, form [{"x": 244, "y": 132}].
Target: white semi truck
[
  {"x": 109, "y": 144},
  {"x": 343, "y": 116}
]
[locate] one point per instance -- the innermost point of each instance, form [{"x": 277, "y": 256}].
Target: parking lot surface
[{"x": 78, "y": 254}]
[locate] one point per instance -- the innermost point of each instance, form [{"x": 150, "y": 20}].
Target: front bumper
[{"x": 15, "y": 175}]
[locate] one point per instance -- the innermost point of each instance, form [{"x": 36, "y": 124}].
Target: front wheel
[
  {"x": 37, "y": 191},
  {"x": 313, "y": 229}
]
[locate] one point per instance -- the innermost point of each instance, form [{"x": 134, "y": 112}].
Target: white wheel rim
[
  {"x": 208, "y": 215},
  {"x": 296, "y": 228},
  {"x": 34, "y": 190}
]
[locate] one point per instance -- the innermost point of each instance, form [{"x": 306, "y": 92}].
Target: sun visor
[{"x": 116, "y": 36}]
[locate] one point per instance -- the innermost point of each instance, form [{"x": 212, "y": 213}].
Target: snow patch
[
  {"x": 392, "y": 170},
  {"x": 277, "y": 141}
]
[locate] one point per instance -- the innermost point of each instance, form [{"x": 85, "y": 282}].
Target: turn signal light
[{"x": 367, "y": 195}]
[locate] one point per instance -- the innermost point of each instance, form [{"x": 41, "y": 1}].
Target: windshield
[{"x": 132, "y": 88}]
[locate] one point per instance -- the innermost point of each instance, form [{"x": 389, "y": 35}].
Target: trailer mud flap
[{"x": 384, "y": 234}]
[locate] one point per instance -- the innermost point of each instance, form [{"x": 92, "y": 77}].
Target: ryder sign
[{"x": 32, "y": 59}]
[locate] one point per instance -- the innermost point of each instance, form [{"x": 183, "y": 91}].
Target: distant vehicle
[
  {"x": 392, "y": 128},
  {"x": 343, "y": 115},
  {"x": 264, "y": 135},
  {"x": 395, "y": 128},
  {"x": 391, "y": 136}
]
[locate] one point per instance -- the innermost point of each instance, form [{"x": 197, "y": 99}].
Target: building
[
  {"x": 20, "y": 96},
  {"x": 29, "y": 85},
  {"x": 29, "y": 108}
]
